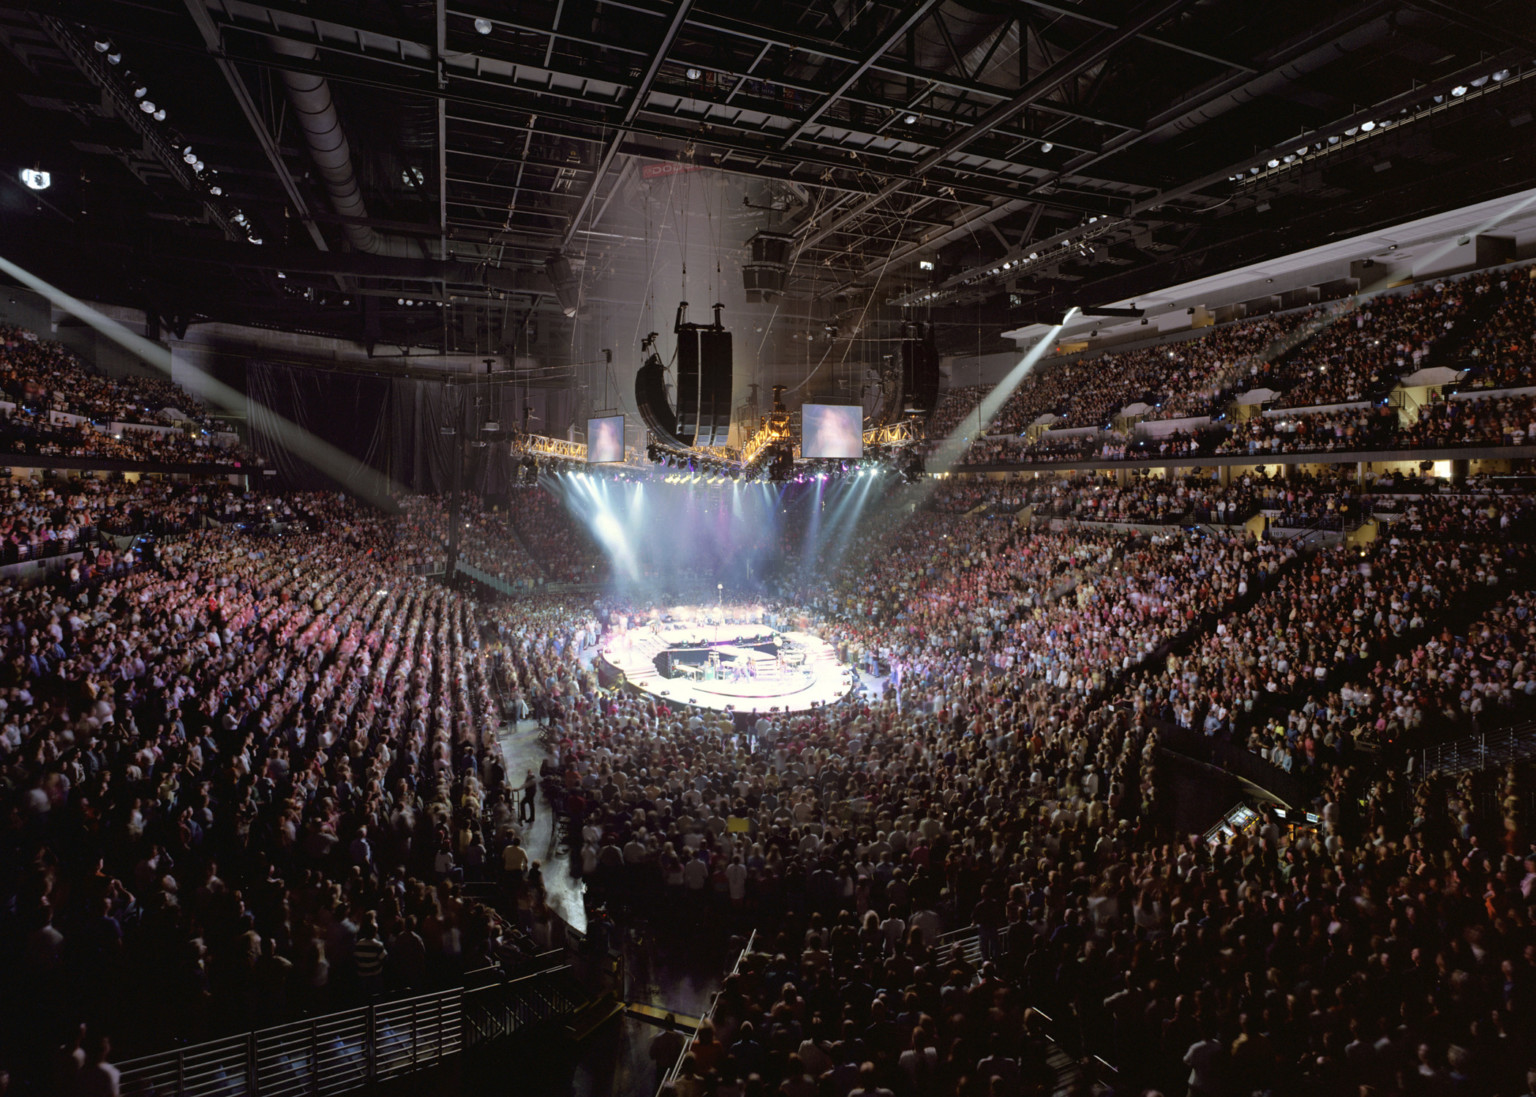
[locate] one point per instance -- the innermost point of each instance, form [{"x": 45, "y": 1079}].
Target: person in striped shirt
[{"x": 369, "y": 954}]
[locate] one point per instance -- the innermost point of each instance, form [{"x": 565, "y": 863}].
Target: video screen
[
  {"x": 605, "y": 440},
  {"x": 831, "y": 430}
]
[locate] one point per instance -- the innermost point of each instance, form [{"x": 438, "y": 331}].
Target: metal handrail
[
  {"x": 1472, "y": 753},
  {"x": 329, "y": 1054},
  {"x": 709, "y": 1014}
]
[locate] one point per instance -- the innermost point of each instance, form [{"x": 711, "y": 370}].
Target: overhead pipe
[{"x": 315, "y": 109}]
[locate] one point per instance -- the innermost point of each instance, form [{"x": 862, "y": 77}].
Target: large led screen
[
  {"x": 831, "y": 430},
  {"x": 605, "y": 440}
]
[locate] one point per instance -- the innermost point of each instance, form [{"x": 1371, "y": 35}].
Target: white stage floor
[{"x": 821, "y": 681}]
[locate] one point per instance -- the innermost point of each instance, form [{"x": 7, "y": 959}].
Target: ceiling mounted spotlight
[
  {"x": 482, "y": 26},
  {"x": 198, "y": 167},
  {"x": 692, "y": 73},
  {"x": 35, "y": 179},
  {"x": 1274, "y": 163},
  {"x": 1459, "y": 90},
  {"x": 1502, "y": 74},
  {"x": 159, "y": 115},
  {"x": 140, "y": 92},
  {"x": 1367, "y": 127},
  {"x": 147, "y": 106},
  {"x": 114, "y": 58},
  {"x": 255, "y": 239},
  {"x": 189, "y": 157},
  {"x": 1047, "y": 147},
  {"x": 102, "y": 45},
  {"x": 910, "y": 119}
]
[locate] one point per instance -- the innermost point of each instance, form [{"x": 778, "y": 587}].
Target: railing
[
  {"x": 1481, "y": 751},
  {"x": 667, "y": 1082},
  {"x": 503, "y": 1009},
  {"x": 355, "y": 1049},
  {"x": 331, "y": 1054},
  {"x": 1069, "y": 1059}
]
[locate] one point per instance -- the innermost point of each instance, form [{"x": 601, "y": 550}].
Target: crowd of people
[
  {"x": 1347, "y": 352},
  {"x": 251, "y": 768},
  {"x": 1500, "y": 351},
  {"x": 55, "y": 405}
]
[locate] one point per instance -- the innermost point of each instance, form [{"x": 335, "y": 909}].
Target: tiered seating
[
  {"x": 56, "y": 406},
  {"x": 1349, "y": 353},
  {"x": 560, "y": 542},
  {"x": 241, "y": 772}
]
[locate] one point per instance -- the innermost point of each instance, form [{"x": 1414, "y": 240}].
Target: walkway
[{"x": 523, "y": 750}]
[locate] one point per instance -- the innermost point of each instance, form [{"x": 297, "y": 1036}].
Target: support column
[{"x": 1459, "y": 469}]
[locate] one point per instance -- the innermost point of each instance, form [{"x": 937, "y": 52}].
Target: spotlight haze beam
[
  {"x": 953, "y": 447},
  {"x": 366, "y": 481}
]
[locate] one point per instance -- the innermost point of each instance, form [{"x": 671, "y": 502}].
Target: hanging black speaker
[
  {"x": 705, "y": 377},
  {"x": 651, "y": 398},
  {"x": 919, "y": 370}
]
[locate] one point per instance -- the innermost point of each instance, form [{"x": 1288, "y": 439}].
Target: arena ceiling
[{"x": 1032, "y": 153}]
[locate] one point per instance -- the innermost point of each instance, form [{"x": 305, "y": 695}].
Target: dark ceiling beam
[
  {"x": 1157, "y": 40},
  {"x": 1156, "y": 204},
  {"x": 907, "y": 20},
  {"x": 409, "y": 69},
  {"x": 1498, "y": 35},
  {"x": 1092, "y": 53},
  {"x": 631, "y": 111},
  {"x": 1319, "y": 37}
]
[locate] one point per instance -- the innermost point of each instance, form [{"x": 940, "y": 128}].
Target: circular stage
[{"x": 744, "y": 667}]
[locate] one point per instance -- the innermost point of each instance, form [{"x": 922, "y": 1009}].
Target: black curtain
[
  {"x": 407, "y": 429},
  {"x": 345, "y": 410}
]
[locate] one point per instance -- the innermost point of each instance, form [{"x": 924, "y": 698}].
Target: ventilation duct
[{"x": 328, "y": 147}]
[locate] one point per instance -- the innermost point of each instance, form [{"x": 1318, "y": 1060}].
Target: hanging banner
[{"x": 665, "y": 168}]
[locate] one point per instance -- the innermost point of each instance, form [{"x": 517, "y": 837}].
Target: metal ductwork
[{"x": 328, "y": 147}]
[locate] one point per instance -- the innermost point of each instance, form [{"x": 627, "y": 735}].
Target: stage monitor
[
  {"x": 831, "y": 430},
  {"x": 605, "y": 440}
]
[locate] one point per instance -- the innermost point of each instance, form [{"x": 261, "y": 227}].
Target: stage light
[
  {"x": 1274, "y": 164},
  {"x": 483, "y": 26},
  {"x": 692, "y": 74},
  {"x": 925, "y": 264},
  {"x": 102, "y": 45},
  {"x": 1367, "y": 127},
  {"x": 140, "y": 92},
  {"x": 114, "y": 57},
  {"x": 1459, "y": 90},
  {"x": 159, "y": 115},
  {"x": 909, "y": 119},
  {"x": 215, "y": 191},
  {"x": 147, "y": 106},
  {"x": 189, "y": 157},
  {"x": 1502, "y": 74},
  {"x": 1047, "y": 147},
  {"x": 35, "y": 179}
]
